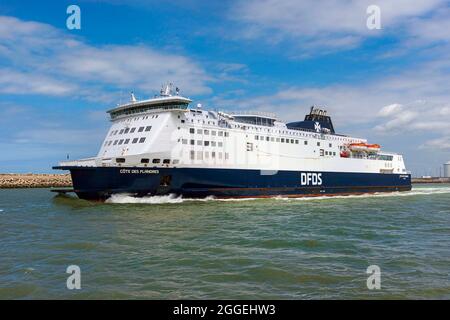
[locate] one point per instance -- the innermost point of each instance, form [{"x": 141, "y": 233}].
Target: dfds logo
[{"x": 311, "y": 179}]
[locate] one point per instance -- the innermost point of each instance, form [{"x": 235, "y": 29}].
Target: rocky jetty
[{"x": 32, "y": 180}]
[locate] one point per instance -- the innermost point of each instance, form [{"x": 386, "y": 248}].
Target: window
[
  {"x": 227, "y": 156},
  {"x": 292, "y": 140},
  {"x": 120, "y": 160},
  {"x": 227, "y": 134},
  {"x": 220, "y": 133},
  {"x": 199, "y": 155},
  {"x": 206, "y": 143},
  {"x": 145, "y": 160},
  {"x": 306, "y": 142},
  {"x": 192, "y": 142},
  {"x": 199, "y": 131},
  {"x": 120, "y": 141},
  {"x": 296, "y": 141},
  {"x": 282, "y": 139},
  {"x": 132, "y": 130},
  {"x": 156, "y": 161},
  {"x": 256, "y": 137},
  {"x": 115, "y": 142},
  {"x": 206, "y": 155},
  {"x": 220, "y": 144},
  {"x": 109, "y": 143},
  {"x": 176, "y": 161},
  {"x": 213, "y": 133},
  {"x": 278, "y": 139},
  {"x": 330, "y": 145},
  {"x": 126, "y": 130},
  {"x": 148, "y": 128},
  {"x": 191, "y": 130},
  {"x": 318, "y": 144},
  {"x": 135, "y": 140},
  {"x": 142, "y": 140},
  {"x": 199, "y": 142},
  {"x": 192, "y": 154},
  {"x": 213, "y": 143},
  {"x": 121, "y": 131},
  {"x": 321, "y": 152},
  {"x": 206, "y": 132},
  {"x": 184, "y": 141},
  {"x": 141, "y": 129},
  {"x": 213, "y": 155},
  {"x": 166, "y": 161}
]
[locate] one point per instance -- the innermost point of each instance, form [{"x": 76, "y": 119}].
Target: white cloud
[
  {"x": 332, "y": 24},
  {"x": 45, "y": 60}
]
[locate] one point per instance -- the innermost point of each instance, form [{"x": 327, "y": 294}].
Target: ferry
[{"x": 163, "y": 145}]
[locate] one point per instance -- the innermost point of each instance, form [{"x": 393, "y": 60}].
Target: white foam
[
  {"x": 172, "y": 198},
  {"x": 413, "y": 192}
]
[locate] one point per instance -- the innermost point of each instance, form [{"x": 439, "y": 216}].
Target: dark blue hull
[{"x": 98, "y": 183}]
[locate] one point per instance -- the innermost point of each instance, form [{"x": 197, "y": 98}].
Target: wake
[{"x": 174, "y": 199}]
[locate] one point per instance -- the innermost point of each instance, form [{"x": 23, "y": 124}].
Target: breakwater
[{"x": 33, "y": 180}]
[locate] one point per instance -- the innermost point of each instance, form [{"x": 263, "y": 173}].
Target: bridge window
[
  {"x": 120, "y": 160},
  {"x": 156, "y": 161},
  {"x": 166, "y": 161},
  {"x": 145, "y": 160}
]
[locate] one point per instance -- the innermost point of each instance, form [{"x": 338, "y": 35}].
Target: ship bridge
[{"x": 165, "y": 101}]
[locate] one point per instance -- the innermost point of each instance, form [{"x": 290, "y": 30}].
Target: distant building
[{"x": 447, "y": 169}]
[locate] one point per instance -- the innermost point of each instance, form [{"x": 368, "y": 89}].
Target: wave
[{"x": 173, "y": 198}]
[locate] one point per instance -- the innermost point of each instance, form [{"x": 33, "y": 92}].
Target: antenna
[{"x": 132, "y": 98}]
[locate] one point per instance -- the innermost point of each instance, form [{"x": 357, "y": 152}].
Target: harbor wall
[{"x": 32, "y": 180}]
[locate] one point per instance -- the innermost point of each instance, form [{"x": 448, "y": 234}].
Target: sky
[{"x": 389, "y": 85}]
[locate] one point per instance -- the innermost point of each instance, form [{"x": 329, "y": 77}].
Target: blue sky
[{"x": 389, "y": 85}]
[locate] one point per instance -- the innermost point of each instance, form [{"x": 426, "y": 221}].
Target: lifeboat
[
  {"x": 373, "y": 147},
  {"x": 364, "y": 147},
  {"x": 345, "y": 154},
  {"x": 358, "y": 147}
]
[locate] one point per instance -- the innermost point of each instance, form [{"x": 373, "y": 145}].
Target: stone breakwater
[{"x": 31, "y": 180}]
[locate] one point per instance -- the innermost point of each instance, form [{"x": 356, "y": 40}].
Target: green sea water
[{"x": 173, "y": 248}]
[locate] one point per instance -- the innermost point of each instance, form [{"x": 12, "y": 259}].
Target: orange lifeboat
[
  {"x": 373, "y": 147},
  {"x": 358, "y": 147},
  {"x": 364, "y": 147}
]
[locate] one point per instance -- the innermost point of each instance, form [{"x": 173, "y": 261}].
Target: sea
[{"x": 379, "y": 246}]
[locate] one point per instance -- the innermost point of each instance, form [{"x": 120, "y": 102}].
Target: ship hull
[{"x": 99, "y": 183}]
